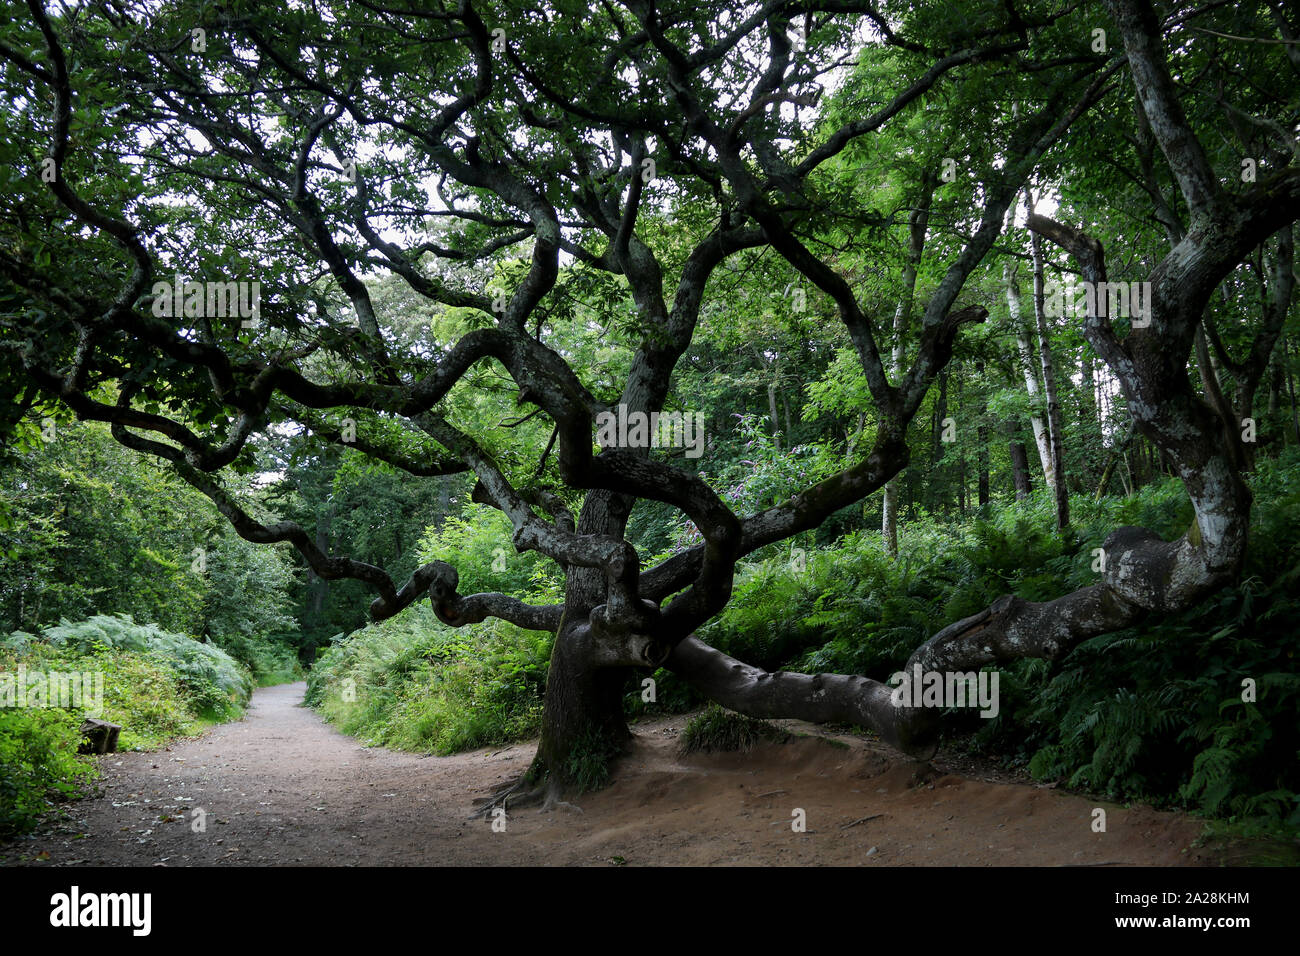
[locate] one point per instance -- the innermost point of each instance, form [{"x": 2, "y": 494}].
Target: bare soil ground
[{"x": 280, "y": 787}]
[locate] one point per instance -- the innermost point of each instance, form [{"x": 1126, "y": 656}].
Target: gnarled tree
[{"x": 477, "y": 151}]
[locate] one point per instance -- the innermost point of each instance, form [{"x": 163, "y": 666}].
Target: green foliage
[
  {"x": 39, "y": 766},
  {"x": 410, "y": 682},
  {"x": 247, "y": 596},
  {"x": 269, "y": 661},
  {"x": 762, "y": 474},
  {"x": 718, "y": 729},
  {"x": 845, "y": 608},
  {"x": 357, "y": 506},
  {"x": 672, "y": 695},
  {"x": 214, "y": 683},
  {"x": 156, "y": 685},
  {"x": 1157, "y": 712},
  {"x": 151, "y": 702},
  {"x": 80, "y": 503},
  {"x": 477, "y": 543},
  {"x": 413, "y": 684}
]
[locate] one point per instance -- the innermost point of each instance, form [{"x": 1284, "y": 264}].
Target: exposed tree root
[{"x": 524, "y": 792}]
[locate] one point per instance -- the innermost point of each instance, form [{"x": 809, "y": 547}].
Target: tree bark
[
  {"x": 583, "y": 723},
  {"x": 918, "y": 224},
  {"x": 940, "y": 413},
  {"x": 982, "y": 442},
  {"x": 1019, "y": 468},
  {"x": 1028, "y": 363},
  {"x": 320, "y": 586},
  {"x": 583, "y": 726},
  {"x": 1056, "y": 438},
  {"x": 889, "y": 518},
  {"x": 937, "y": 468}
]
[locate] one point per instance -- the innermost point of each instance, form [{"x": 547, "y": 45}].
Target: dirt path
[{"x": 281, "y": 787}]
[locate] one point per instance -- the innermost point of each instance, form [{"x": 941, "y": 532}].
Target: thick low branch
[
  {"x": 820, "y": 698},
  {"x": 440, "y": 580},
  {"x": 1144, "y": 574}
]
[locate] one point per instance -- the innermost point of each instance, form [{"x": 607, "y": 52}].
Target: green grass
[
  {"x": 721, "y": 730},
  {"x": 1249, "y": 843},
  {"x": 588, "y": 765}
]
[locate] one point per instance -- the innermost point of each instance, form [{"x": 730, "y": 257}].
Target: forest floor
[{"x": 280, "y": 787}]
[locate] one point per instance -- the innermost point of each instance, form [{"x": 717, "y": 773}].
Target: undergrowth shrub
[
  {"x": 39, "y": 766},
  {"x": 1157, "y": 712},
  {"x": 588, "y": 763},
  {"x": 214, "y": 684},
  {"x": 411, "y": 683},
  {"x": 157, "y": 685}
]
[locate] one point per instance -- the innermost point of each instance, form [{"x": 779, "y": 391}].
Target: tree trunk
[
  {"x": 936, "y": 440},
  {"x": 889, "y": 518},
  {"x": 584, "y": 728},
  {"x": 1112, "y": 460},
  {"x": 1028, "y": 363},
  {"x": 1216, "y": 399},
  {"x": 776, "y": 422},
  {"x": 918, "y": 223},
  {"x": 982, "y": 443},
  {"x": 853, "y": 436},
  {"x": 1278, "y": 286},
  {"x": 1019, "y": 468},
  {"x": 1049, "y": 381},
  {"x": 940, "y": 413},
  {"x": 961, "y": 484},
  {"x": 320, "y": 586},
  {"x": 583, "y": 725},
  {"x": 1091, "y": 412}
]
